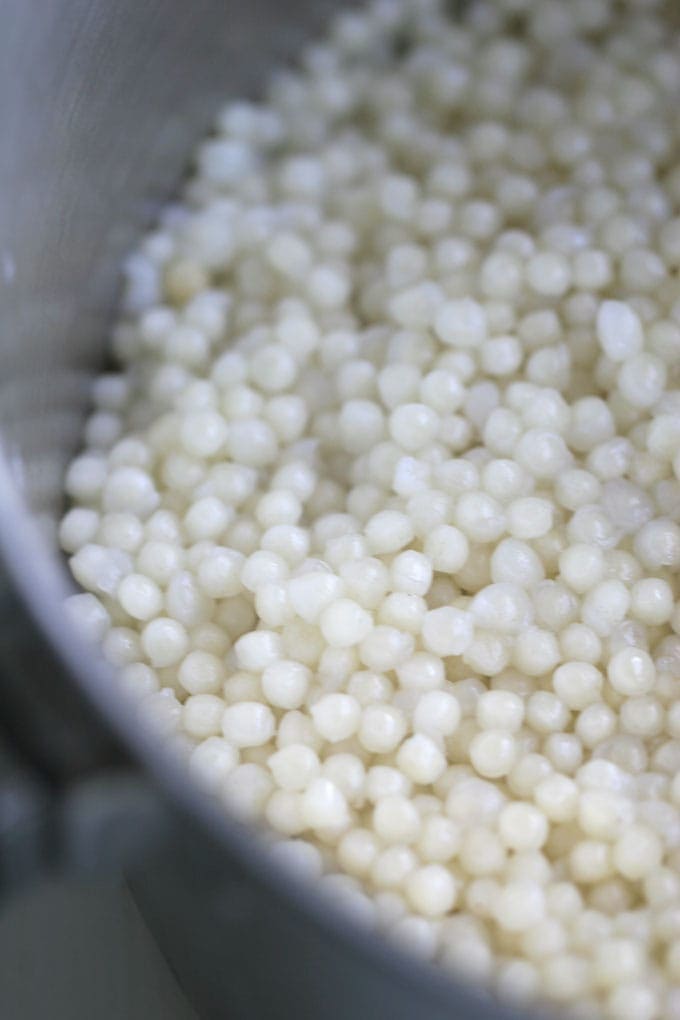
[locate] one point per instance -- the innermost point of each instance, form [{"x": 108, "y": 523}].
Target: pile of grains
[{"x": 379, "y": 519}]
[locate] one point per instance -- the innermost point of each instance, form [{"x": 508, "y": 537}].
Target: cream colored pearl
[
  {"x": 432, "y": 890},
  {"x": 493, "y": 753}
]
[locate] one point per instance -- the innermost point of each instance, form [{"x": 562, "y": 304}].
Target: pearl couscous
[{"x": 379, "y": 519}]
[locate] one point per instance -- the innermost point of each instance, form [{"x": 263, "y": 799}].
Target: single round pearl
[
  {"x": 493, "y": 753},
  {"x": 631, "y": 672},
  {"x": 344, "y": 623},
  {"x": 432, "y": 890},
  {"x": 336, "y": 716},
  {"x": 248, "y": 724}
]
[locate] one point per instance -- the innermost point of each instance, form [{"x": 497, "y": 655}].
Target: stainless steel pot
[{"x": 101, "y": 102}]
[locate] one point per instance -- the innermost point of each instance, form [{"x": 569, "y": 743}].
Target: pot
[{"x": 102, "y": 102}]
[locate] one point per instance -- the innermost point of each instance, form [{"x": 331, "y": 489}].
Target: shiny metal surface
[{"x": 101, "y": 102}]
